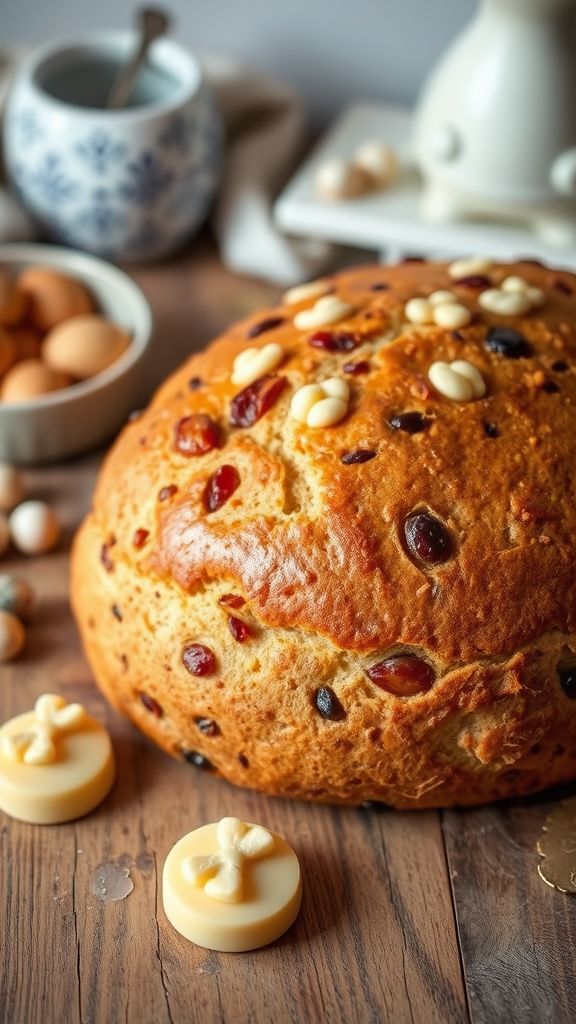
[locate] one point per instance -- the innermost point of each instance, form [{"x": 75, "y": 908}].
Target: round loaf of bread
[{"x": 364, "y": 591}]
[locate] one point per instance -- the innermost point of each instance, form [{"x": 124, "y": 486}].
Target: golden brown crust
[{"x": 317, "y": 549}]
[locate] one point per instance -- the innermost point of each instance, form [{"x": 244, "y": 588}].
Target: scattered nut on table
[
  {"x": 12, "y": 636},
  {"x": 341, "y": 179},
  {"x": 16, "y": 596},
  {"x": 34, "y": 528},
  {"x": 379, "y": 161}
]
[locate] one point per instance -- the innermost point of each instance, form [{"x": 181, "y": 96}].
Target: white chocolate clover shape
[
  {"x": 459, "y": 380},
  {"x": 441, "y": 308},
  {"x": 514, "y": 297},
  {"x": 221, "y": 874},
  {"x": 252, "y": 363},
  {"x": 321, "y": 405},
  {"x": 36, "y": 745},
  {"x": 470, "y": 266},
  {"x": 326, "y": 310}
]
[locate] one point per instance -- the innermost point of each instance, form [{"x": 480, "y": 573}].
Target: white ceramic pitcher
[{"x": 495, "y": 130}]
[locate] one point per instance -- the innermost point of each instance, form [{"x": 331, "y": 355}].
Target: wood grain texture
[
  {"x": 517, "y": 934},
  {"x": 376, "y": 938}
]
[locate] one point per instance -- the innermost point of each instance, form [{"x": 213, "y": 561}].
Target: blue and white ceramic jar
[{"x": 130, "y": 184}]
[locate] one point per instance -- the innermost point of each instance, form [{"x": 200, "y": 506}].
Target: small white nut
[
  {"x": 336, "y": 387},
  {"x": 340, "y": 179},
  {"x": 301, "y": 292},
  {"x": 518, "y": 285},
  {"x": 4, "y": 534},
  {"x": 418, "y": 311},
  {"x": 12, "y": 636},
  {"x": 440, "y": 298},
  {"x": 321, "y": 405},
  {"x": 514, "y": 284},
  {"x": 451, "y": 315},
  {"x": 326, "y": 310},
  {"x": 11, "y": 487},
  {"x": 244, "y": 356},
  {"x": 34, "y": 528},
  {"x": 253, "y": 363},
  {"x": 459, "y": 380},
  {"x": 468, "y": 267},
  {"x": 504, "y": 303},
  {"x": 15, "y": 596},
  {"x": 327, "y": 412},
  {"x": 379, "y": 161},
  {"x": 472, "y": 373},
  {"x": 304, "y": 399}
]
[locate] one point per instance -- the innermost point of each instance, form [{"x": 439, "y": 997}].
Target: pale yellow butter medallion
[
  {"x": 231, "y": 886},
  {"x": 56, "y": 763}
]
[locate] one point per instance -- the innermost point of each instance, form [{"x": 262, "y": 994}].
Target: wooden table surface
[{"x": 407, "y": 917}]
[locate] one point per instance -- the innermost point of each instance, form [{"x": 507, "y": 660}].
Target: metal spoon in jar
[{"x": 153, "y": 23}]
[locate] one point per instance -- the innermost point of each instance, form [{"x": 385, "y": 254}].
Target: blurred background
[{"x": 377, "y": 49}]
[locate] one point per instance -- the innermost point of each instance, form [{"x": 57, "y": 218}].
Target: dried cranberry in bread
[{"x": 364, "y": 591}]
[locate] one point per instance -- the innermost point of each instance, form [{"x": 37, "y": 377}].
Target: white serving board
[{"x": 389, "y": 222}]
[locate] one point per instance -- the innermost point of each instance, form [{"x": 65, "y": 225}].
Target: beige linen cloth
[{"x": 265, "y": 129}]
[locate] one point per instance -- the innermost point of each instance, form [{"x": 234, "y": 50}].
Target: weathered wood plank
[{"x": 518, "y": 936}]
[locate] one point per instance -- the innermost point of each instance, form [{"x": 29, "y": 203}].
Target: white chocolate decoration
[
  {"x": 459, "y": 380},
  {"x": 514, "y": 297},
  {"x": 253, "y": 363},
  {"x": 379, "y": 161},
  {"x": 4, "y": 534},
  {"x": 327, "y": 413},
  {"x": 496, "y": 300},
  {"x": 301, "y": 292},
  {"x": 469, "y": 267},
  {"x": 518, "y": 285},
  {"x": 326, "y": 310},
  {"x": 231, "y": 886},
  {"x": 419, "y": 311},
  {"x": 11, "y": 487},
  {"x": 321, "y": 405},
  {"x": 221, "y": 874},
  {"x": 34, "y": 528},
  {"x": 440, "y": 308},
  {"x": 56, "y": 763},
  {"x": 340, "y": 179},
  {"x": 37, "y": 745},
  {"x": 12, "y": 636},
  {"x": 451, "y": 315},
  {"x": 441, "y": 297}
]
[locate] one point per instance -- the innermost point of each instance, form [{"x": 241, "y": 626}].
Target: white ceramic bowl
[{"x": 82, "y": 416}]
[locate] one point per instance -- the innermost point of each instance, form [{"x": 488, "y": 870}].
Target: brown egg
[
  {"x": 84, "y": 345},
  {"x": 13, "y": 302},
  {"x": 53, "y": 297},
  {"x": 29, "y": 379},
  {"x": 27, "y": 343},
  {"x": 7, "y": 351}
]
